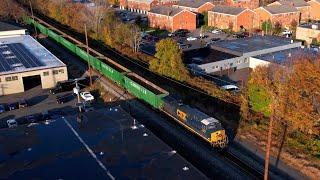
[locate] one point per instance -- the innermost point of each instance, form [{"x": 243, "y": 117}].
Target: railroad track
[{"x": 227, "y": 155}]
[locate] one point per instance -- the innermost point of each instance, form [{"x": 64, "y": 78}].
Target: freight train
[{"x": 206, "y": 127}]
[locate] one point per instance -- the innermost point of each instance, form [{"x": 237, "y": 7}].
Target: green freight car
[{"x": 144, "y": 90}]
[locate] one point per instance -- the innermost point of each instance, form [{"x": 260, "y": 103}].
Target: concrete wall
[
  {"x": 238, "y": 62},
  {"x": 16, "y": 86},
  {"x": 307, "y": 34},
  {"x": 13, "y": 32},
  {"x": 254, "y": 62}
]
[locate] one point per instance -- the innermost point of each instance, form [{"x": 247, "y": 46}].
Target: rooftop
[
  {"x": 207, "y": 55},
  {"x": 8, "y": 27},
  {"x": 228, "y": 10},
  {"x": 281, "y": 57},
  {"x": 165, "y": 10},
  {"x": 254, "y": 45},
  {"x": 23, "y": 53},
  {"x": 280, "y": 9},
  {"x": 193, "y": 3},
  {"x": 295, "y": 3},
  {"x": 315, "y": 26}
]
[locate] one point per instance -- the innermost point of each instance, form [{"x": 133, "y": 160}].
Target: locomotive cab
[{"x": 219, "y": 139}]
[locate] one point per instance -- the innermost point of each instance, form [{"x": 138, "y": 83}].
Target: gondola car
[{"x": 200, "y": 123}]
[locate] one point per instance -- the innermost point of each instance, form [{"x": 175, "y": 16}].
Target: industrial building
[
  {"x": 25, "y": 63},
  {"x": 225, "y": 57},
  {"x": 308, "y": 32}
]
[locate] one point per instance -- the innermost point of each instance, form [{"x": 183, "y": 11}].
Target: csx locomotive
[{"x": 205, "y": 126}]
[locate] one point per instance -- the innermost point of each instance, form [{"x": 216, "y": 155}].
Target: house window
[
  {"x": 14, "y": 78},
  {"x": 61, "y": 71},
  {"x": 46, "y": 73},
  {"x": 55, "y": 72},
  {"x": 8, "y": 79}
]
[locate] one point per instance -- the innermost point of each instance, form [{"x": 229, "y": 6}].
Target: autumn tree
[
  {"x": 10, "y": 10},
  {"x": 295, "y": 86},
  {"x": 168, "y": 60}
]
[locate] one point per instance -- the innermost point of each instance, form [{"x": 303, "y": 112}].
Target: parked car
[
  {"x": 23, "y": 103},
  {"x": 2, "y": 108},
  {"x": 64, "y": 98},
  {"x": 230, "y": 87},
  {"x": 63, "y": 86},
  {"x": 13, "y": 106},
  {"x": 184, "y": 46},
  {"x": 32, "y": 118},
  {"x": 12, "y": 123},
  {"x": 286, "y": 32},
  {"x": 216, "y": 31},
  {"x": 215, "y": 39},
  {"x": 203, "y": 37},
  {"x": 87, "y": 96},
  {"x": 191, "y": 38}
]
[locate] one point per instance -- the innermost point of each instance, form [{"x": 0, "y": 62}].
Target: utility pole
[
  {"x": 89, "y": 67},
  {"x": 78, "y": 96},
  {"x": 268, "y": 147},
  {"x": 35, "y": 29}
]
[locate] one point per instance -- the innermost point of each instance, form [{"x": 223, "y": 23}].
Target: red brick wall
[
  {"x": 160, "y": 21},
  {"x": 251, "y": 4},
  {"x": 185, "y": 20},
  {"x": 314, "y": 10},
  {"x": 284, "y": 19},
  {"x": 138, "y": 5},
  {"x": 246, "y": 19},
  {"x": 204, "y": 8},
  {"x": 305, "y": 13},
  {"x": 221, "y": 21}
]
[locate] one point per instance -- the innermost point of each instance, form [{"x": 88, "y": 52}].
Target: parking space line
[{"x": 89, "y": 150}]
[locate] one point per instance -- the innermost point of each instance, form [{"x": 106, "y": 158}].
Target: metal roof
[
  {"x": 281, "y": 57},
  {"x": 240, "y": 47},
  {"x": 23, "y": 53},
  {"x": 280, "y": 9},
  {"x": 165, "y": 10},
  {"x": 193, "y": 3},
  {"x": 8, "y": 27},
  {"x": 228, "y": 10}
]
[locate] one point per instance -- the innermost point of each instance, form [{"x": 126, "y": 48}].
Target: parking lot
[
  {"x": 105, "y": 143},
  {"x": 188, "y": 41}
]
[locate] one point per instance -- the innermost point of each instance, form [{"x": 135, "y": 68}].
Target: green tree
[
  {"x": 205, "y": 18},
  {"x": 266, "y": 26},
  {"x": 168, "y": 60}
]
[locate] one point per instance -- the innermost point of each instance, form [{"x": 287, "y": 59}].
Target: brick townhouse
[
  {"x": 251, "y": 4},
  {"x": 314, "y": 9},
  {"x": 171, "y": 18},
  {"x": 226, "y": 17},
  {"x": 283, "y": 14},
  {"x": 301, "y": 5},
  {"x": 198, "y": 6},
  {"x": 143, "y": 6}
]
